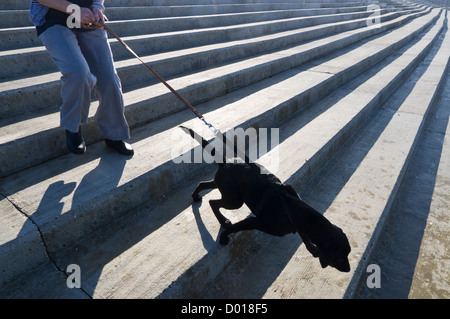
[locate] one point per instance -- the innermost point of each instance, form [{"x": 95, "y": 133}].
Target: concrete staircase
[{"x": 360, "y": 96}]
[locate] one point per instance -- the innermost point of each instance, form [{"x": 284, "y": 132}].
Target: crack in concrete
[{"x": 41, "y": 237}]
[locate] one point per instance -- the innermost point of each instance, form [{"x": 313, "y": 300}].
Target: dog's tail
[{"x": 206, "y": 145}]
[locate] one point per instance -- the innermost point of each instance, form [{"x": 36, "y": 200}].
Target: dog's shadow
[{"x": 208, "y": 241}]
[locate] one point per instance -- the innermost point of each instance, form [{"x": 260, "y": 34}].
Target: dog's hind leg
[
  {"x": 201, "y": 187},
  {"x": 215, "y": 206}
]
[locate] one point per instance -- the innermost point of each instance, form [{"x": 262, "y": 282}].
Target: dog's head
[{"x": 335, "y": 251}]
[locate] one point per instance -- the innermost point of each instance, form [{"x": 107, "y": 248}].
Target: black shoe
[
  {"x": 120, "y": 146},
  {"x": 75, "y": 142}
]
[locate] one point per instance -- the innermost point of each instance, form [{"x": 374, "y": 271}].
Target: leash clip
[{"x": 210, "y": 126}]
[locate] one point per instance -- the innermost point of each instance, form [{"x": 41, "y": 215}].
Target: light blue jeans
[{"x": 86, "y": 63}]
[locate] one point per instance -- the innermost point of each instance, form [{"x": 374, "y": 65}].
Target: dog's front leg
[
  {"x": 309, "y": 245},
  {"x": 246, "y": 224},
  {"x": 201, "y": 187}
]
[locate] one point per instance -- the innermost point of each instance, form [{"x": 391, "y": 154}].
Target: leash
[
  {"x": 216, "y": 131},
  {"x": 178, "y": 95}
]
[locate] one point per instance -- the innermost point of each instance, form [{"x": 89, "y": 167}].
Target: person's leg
[
  {"x": 110, "y": 113},
  {"x": 77, "y": 79}
]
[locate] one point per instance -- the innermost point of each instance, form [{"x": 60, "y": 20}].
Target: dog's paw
[{"x": 196, "y": 198}]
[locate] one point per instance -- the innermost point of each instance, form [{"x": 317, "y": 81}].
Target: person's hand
[
  {"x": 98, "y": 16},
  {"x": 87, "y": 18}
]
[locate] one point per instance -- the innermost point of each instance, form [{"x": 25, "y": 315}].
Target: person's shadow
[
  {"x": 27, "y": 250},
  {"x": 53, "y": 204},
  {"x": 107, "y": 174}
]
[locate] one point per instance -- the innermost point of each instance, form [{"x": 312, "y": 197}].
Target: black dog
[{"x": 277, "y": 209}]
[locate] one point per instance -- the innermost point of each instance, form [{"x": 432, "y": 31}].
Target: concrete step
[
  {"x": 25, "y": 4},
  {"x": 145, "y": 104},
  {"x": 392, "y": 152},
  {"x": 358, "y": 185},
  {"x": 20, "y": 18},
  {"x": 435, "y": 3},
  {"x": 31, "y": 93},
  {"x": 103, "y": 187},
  {"x": 413, "y": 248},
  {"x": 16, "y": 63},
  {"x": 364, "y": 166},
  {"x": 22, "y": 37},
  {"x": 430, "y": 279}
]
